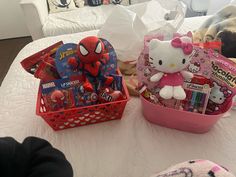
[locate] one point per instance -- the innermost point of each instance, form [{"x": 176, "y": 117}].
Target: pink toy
[{"x": 170, "y": 58}]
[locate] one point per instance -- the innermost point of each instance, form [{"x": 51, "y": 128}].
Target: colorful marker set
[
  {"x": 195, "y": 101},
  {"x": 197, "y": 96}
]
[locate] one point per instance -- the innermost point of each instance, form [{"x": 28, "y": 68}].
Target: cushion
[
  {"x": 94, "y": 2},
  {"x": 125, "y": 2},
  {"x": 121, "y": 2},
  {"x": 60, "y": 5},
  {"x": 106, "y": 2},
  {"x": 79, "y": 3}
]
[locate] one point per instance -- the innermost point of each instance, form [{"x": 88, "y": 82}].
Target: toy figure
[
  {"x": 91, "y": 56},
  {"x": 58, "y": 99},
  {"x": 194, "y": 67},
  {"x": 170, "y": 58},
  {"x": 217, "y": 97},
  {"x": 196, "y": 168}
]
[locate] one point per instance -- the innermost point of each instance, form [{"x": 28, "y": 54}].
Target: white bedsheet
[{"x": 131, "y": 147}]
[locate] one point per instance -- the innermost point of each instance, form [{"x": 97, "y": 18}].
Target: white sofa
[{"x": 42, "y": 24}]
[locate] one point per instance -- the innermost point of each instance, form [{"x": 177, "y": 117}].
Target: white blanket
[{"x": 131, "y": 147}]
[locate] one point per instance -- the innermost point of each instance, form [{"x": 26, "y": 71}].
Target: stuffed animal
[
  {"x": 170, "y": 58},
  {"x": 91, "y": 55},
  {"x": 195, "y": 168}
]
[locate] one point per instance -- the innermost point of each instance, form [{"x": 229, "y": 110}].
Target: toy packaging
[
  {"x": 200, "y": 62},
  {"x": 198, "y": 91},
  {"x": 75, "y": 76},
  {"x": 63, "y": 58},
  {"x": 60, "y": 94},
  {"x": 224, "y": 80},
  {"x": 42, "y": 64}
]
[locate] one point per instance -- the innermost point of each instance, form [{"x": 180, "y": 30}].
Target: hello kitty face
[
  {"x": 194, "y": 67},
  {"x": 170, "y": 56},
  {"x": 219, "y": 94}
]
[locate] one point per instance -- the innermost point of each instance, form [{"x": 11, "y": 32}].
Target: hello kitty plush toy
[{"x": 170, "y": 58}]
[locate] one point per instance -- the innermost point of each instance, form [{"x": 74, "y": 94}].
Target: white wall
[
  {"x": 12, "y": 20},
  {"x": 216, "y": 5}
]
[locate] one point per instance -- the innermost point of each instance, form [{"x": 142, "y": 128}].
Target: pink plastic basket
[{"x": 177, "y": 119}]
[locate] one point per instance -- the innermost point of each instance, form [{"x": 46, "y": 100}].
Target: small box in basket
[{"x": 81, "y": 116}]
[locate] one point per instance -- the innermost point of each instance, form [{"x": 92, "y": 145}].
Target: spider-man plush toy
[{"x": 91, "y": 55}]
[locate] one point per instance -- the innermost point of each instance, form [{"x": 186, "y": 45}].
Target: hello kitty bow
[
  {"x": 227, "y": 93},
  {"x": 185, "y": 46}
]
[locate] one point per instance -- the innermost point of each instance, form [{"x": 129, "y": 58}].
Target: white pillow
[
  {"x": 125, "y": 2},
  {"x": 79, "y": 3},
  {"x": 121, "y": 2},
  {"x": 61, "y": 5}
]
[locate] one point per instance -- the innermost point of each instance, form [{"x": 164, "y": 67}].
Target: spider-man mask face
[{"x": 90, "y": 49}]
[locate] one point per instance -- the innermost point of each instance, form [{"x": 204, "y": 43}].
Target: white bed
[{"x": 131, "y": 147}]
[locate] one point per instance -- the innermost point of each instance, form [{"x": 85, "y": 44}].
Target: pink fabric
[
  {"x": 215, "y": 168},
  {"x": 171, "y": 79},
  {"x": 186, "y": 47}
]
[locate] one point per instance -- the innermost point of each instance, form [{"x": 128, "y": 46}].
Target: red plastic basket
[{"x": 81, "y": 116}]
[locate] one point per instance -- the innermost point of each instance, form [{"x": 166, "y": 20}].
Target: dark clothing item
[{"x": 33, "y": 158}]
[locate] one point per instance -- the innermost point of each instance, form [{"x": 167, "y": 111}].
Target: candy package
[
  {"x": 224, "y": 80},
  {"x": 46, "y": 71},
  {"x": 108, "y": 95},
  {"x": 148, "y": 94},
  {"x": 117, "y": 83}
]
